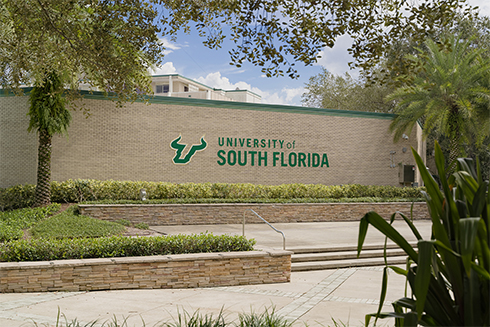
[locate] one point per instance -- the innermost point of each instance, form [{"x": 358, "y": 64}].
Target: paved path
[{"x": 314, "y": 298}]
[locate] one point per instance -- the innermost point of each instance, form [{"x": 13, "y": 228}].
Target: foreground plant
[{"x": 449, "y": 275}]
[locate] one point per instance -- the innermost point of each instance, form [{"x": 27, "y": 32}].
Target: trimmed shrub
[
  {"x": 75, "y": 191},
  {"x": 119, "y": 246}
]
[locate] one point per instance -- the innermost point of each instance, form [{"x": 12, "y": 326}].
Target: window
[
  {"x": 186, "y": 88},
  {"x": 162, "y": 88}
]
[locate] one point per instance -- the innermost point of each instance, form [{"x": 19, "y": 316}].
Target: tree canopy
[
  {"x": 276, "y": 34},
  {"x": 449, "y": 96},
  {"x": 330, "y": 91},
  {"x": 109, "y": 45}
]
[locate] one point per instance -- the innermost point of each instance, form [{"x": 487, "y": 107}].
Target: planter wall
[
  {"x": 153, "y": 272},
  {"x": 203, "y": 214}
]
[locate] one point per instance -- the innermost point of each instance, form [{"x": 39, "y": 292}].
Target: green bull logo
[{"x": 179, "y": 148}]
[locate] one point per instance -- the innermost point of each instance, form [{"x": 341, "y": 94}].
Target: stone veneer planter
[
  {"x": 171, "y": 271},
  {"x": 231, "y": 213}
]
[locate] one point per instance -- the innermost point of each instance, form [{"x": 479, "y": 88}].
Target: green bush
[
  {"x": 142, "y": 226},
  {"x": 119, "y": 246},
  {"x": 13, "y": 222},
  {"x": 69, "y": 225},
  {"x": 75, "y": 191},
  {"x": 449, "y": 275}
]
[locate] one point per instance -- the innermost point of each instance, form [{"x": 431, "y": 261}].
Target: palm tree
[
  {"x": 448, "y": 96},
  {"x": 48, "y": 116}
]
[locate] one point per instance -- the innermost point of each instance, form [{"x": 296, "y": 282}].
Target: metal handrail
[{"x": 243, "y": 227}]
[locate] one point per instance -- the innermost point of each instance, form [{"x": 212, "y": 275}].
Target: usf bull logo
[{"x": 179, "y": 148}]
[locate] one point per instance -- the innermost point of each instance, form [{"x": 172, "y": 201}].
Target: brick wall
[
  {"x": 173, "y": 271},
  {"x": 133, "y": 143},
  {"x": 198, "y": 214}
]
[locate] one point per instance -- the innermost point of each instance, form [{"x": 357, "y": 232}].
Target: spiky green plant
[{"x": 449, "y": 274}]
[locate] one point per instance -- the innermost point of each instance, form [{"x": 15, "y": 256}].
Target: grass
[
  {"x": 184, "y": 319},
  {"x": 69, "y": 225},
  {"x": 12, "y": 223}
]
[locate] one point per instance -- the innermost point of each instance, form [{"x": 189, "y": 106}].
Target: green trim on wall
[{"x": 95, "y": 95}]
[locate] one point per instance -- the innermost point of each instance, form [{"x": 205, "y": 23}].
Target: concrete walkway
[{"x": 313, "y": 298}]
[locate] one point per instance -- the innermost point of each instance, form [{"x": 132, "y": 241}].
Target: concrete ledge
[
  {"x": 232, "y": 213},
  {"x": 170, "y": 271}
]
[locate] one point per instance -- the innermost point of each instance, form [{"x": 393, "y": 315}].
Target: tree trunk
[
  {"x": 454, "y": 141},
  {"x": 43, "y": 187}
]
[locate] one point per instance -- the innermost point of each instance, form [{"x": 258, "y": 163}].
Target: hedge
[
  {"x": 75, "y": 191},
  {"x": 119, "y": 246}
]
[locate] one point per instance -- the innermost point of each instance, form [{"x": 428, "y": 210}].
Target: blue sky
[{"x": 190, "y": 58}]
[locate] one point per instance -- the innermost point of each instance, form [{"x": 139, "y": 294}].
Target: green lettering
[
  {"x": 229, "y": 141},
  {"x": 293, "y": 159},
  {"x": 301, "y": 159},
  {"x": 282, "y": 160},
  {"x": 325, "y": 160},
  {"x": 281, "y": 142},
  {"x": 262, "y": 143},
  {"x": 242, "y": 142},
  {"x": 240, "y": 158},
  {"x": 264, "y": 159},
  {"x": 249, "y": 143},
  {"x": 309, "y": 159},
  {"x": 315, "y": 160},
  {"x": 252, "y": 155},
  {"x": 231, "y": 157},
  {"x": 220, "y": 155},
  {"x": 256, "y": 143},
  {"x": 275, "y": 157}
]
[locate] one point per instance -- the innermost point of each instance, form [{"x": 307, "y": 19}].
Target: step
[
  {"x": 343, "y": 255},
  {"x": 346, "y": 248},
  {"x": 335, "y": 264}
]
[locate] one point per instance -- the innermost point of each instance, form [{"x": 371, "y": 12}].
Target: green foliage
[
  {"x": 330, "y": 91},
  {"x": 69, "y": 225},
  {"x": 449, "y": 95},
  {"x": 110, "y": 191},
  {"x": 111, "y": 46},
  {"x": 123, "y": 222},
  {"x": 185, "y": 319},
  {"x": 119, "y": 246},
  {"x": 276, "y": 34},
  {"x": 265, "y": 319},
  {"x": 16, "y": 197},
  {"x": 449, "y": 276},
  {"x": 142, "y": 226},
  {"x": 12, "y": 223}
]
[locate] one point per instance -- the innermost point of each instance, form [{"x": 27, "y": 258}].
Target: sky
[{"x": 190, "y": 58}]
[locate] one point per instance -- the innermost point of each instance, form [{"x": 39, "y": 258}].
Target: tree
[
  {"x": 108, "y": 45},
  {"x": 52, "y": 43},
  {"x": 48, "y": 116},
  {"x": 330, "y": 91},
  {"x": 448, "y": 95},
  {"x": 279, "y": 33}
]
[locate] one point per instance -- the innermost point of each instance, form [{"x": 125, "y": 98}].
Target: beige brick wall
[
  {"x": 173, "y": 271},
  {"x": 202, "y": 214},
  {"x": 18, "y": 149},
  {"x": 133, "y": 143}
]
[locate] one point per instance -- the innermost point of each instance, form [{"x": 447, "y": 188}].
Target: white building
[{"x": 175, "y": 85}]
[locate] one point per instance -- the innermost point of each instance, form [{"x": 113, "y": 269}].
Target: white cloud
[
  {"x": 166, "y": 68},
  {"x": 336, "y": 59},
  {"x": 169, "y": 46},
  {"x": 484, "y": 6}
]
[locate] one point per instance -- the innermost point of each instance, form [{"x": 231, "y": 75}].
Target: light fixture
[
  {"x": 143, "y": 194},
  {"x": 405, "y": 136}
]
